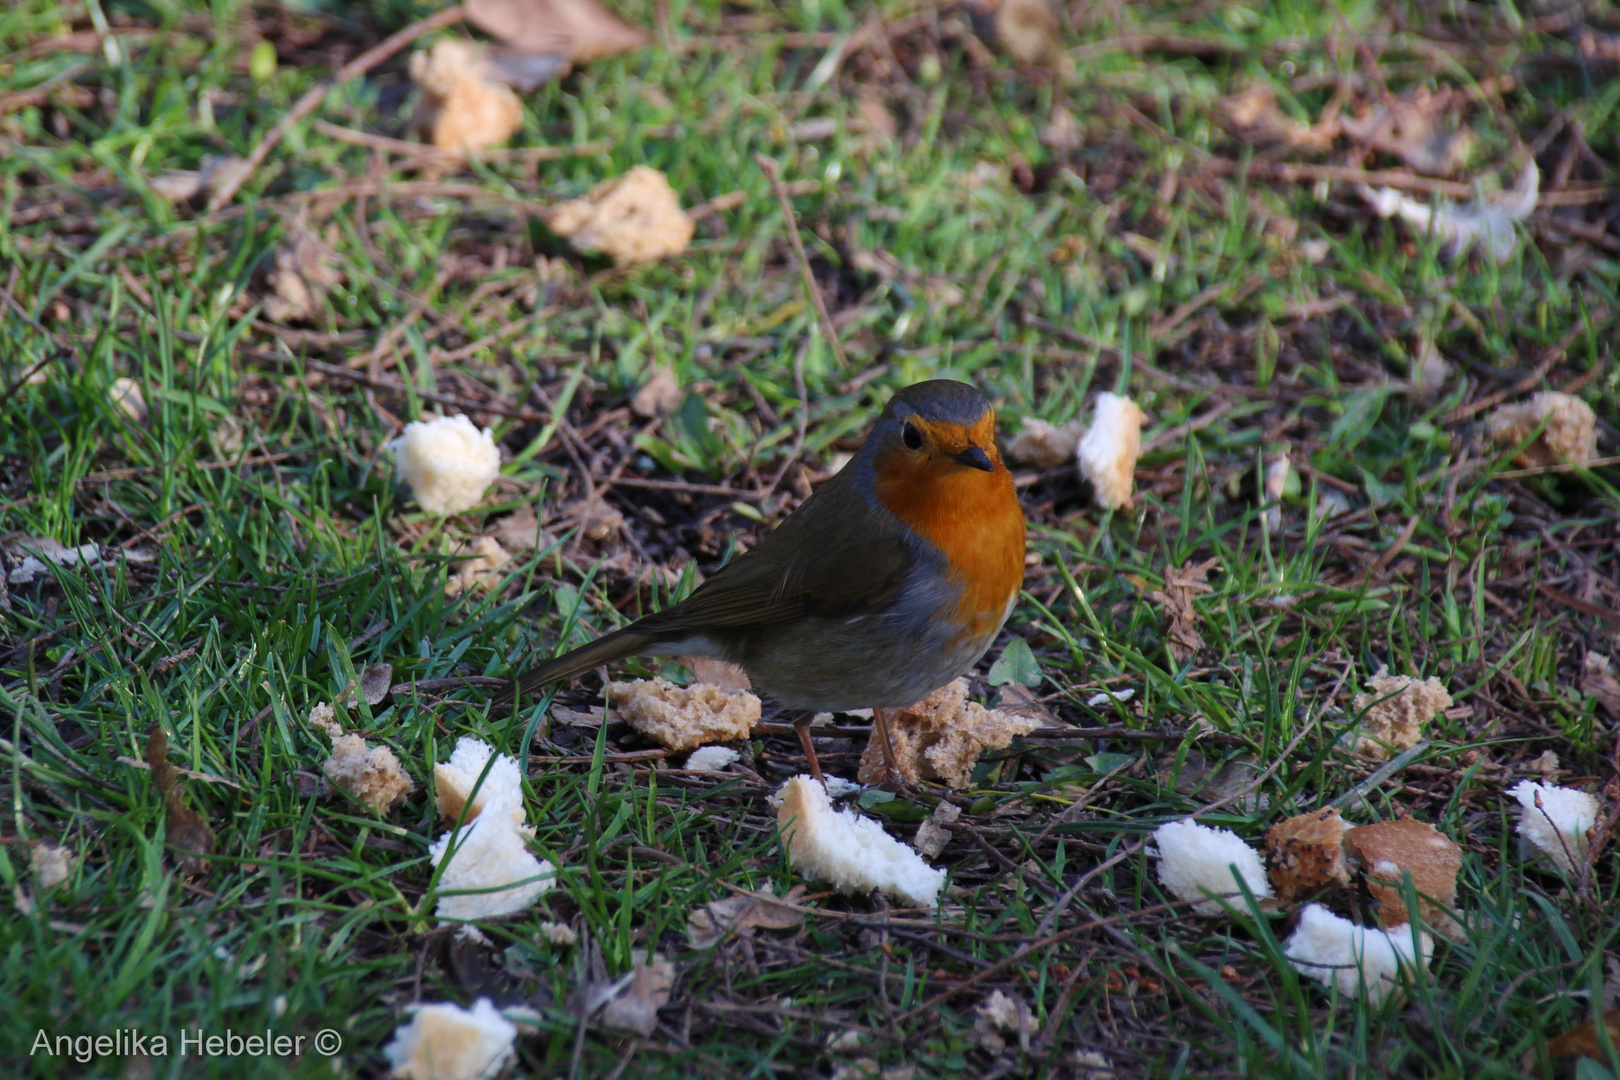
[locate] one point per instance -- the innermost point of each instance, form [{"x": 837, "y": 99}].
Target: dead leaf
[
  {"x": 578, "y": 718},
  {"x": 1019, "y": 700},
  {"x": 581, "y": 30},
  {"x": 1596, "y": 46},
  {"x": 520, "y": 531},
  {"x": 375, "y": 681},
  {"x": 596, "y": 517},
  {"x": 743, "y": 914},
  {"x": 1026, "y": 30},
  {"x": 187, "y": 830},
  {"x": 635, "y": 1007},
  {"x": 875, "y": 115},
  {"x": 1254, "y": 112},
  {"x": 126, "y": 394},
  {"x": 934, "y": 833},
  {"x": 183, "y": 185},
  {"x": 301, "y": 275},
  {"x": 1583, "y": 1041},
  {"x": 522, "y": 70},
  {"x": 1597, "y": 680},
  {"x": 478, "y": 567},
  {"x": 1411, "y": 129},
  {"x": 1181, "y": 638},
  {"x": 1063, "y": 131},
  {"x": 1430, "y": 370},
  {"x": 661, "y": 394}
]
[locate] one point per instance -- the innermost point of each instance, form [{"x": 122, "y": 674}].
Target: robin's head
[
  {"x": 934, "y": 429},
  {"x": 936, "y": 468}
]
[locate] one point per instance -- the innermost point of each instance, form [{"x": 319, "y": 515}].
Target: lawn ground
[{"x": 1165, "y": 208}]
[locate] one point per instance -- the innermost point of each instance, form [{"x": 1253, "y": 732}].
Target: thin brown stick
[
  {"x": 1569, "y": 466},
  {"x": 313, "y": 98},
  {"x": 435, "y": 154},
  {"x": 1383, "y": 561},
  {"x": 1548, "y": 359},
  {"x": 1011, "y": 962},
  {"x": 773, "y": 172},
  {"x": 733, "y": 199}
]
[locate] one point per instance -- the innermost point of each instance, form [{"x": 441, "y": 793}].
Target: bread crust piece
[
  {"x": 686, "y": 717},
  {"x": 1387, "y": 851},
  {"x": 1306, "y": 854},
  {"x": 851, "y": 853}
]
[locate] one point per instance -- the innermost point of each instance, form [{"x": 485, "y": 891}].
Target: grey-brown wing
[{"x": 844, "y": 569}]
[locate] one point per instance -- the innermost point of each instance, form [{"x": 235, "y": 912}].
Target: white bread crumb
[
  {"x": 1044, "y": 445},
  {"x": 300, "y": 275},
  {"x": 849, "y": 852},
  {"x": 371, "y": 774},
  {"x": 453, "y": 782},
  {"x": 633, "y": 218},
  {"x": 1355, "y": 959},
  {"x": 685, "y": 718},
  {"x": 1397, "y": 723},
  {"x": 1108, "y": 453},
  {"x": 1278, "y": 470},
  {"x": 1000, "y": 1011},
  {"x": 443, "y": 1041},
  {"x": 447, "y": 463},
  {"x": 1559, "y": 826},
  {"x": 461, "y": 107},
  {"x": 558, "y": 933},
  {"x": 52, "y": 865},
  {"x": 479, "y": 566},
  {"x": 323, "y": 716},
  {"x": 489, "y": 853},
  {"x": 1570, "y": 434},
  {"x": 941, "y": 737},
  {"x": 1092, "y": 1065},
  {"x": 712, "y": 759},
  {"x": 1195, "y": 860}
]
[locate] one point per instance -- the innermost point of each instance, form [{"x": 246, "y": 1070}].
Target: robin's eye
[{"x": 911, "y": 437}]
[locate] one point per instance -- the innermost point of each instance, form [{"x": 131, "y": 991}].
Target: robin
[{"x": 888, "y": 582}]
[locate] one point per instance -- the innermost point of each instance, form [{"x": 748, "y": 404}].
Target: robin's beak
[{"x": 974, "y": 458}]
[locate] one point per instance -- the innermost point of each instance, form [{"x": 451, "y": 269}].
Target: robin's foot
[{"x": 893, "y": 779}]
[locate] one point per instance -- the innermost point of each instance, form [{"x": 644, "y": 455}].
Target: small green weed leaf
[{"x": 1016, "y": 664}]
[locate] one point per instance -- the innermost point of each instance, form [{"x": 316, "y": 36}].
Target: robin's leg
[
  {"x": 801, "y": 727},
  {"x": 892, "y": 778}
]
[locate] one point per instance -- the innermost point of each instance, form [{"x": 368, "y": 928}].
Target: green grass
[{"x": 278, "y": 557}]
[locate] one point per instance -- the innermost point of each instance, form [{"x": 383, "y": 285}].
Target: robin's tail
[{"x": 604, "y": 650}]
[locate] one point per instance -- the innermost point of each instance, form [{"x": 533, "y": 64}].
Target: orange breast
[{"x": 973, "y": 517}]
